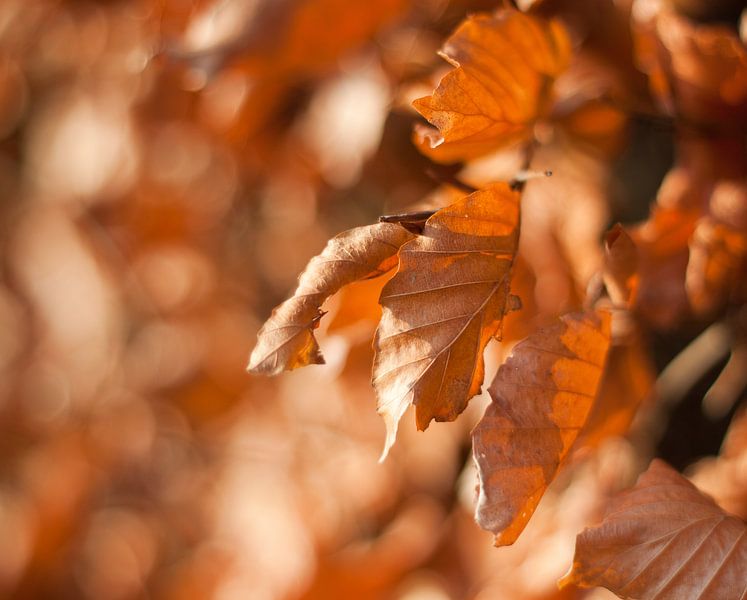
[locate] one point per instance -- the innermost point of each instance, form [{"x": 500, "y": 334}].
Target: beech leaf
[
  {"x": 286, "y": 341},
  {"x": 505, "y": 64},
  {"x": 663, "y": 539},
  {"x": 542, "y": 396},
  {"x": 442, "y": 307},
  {"x": 620, "y": 272}
]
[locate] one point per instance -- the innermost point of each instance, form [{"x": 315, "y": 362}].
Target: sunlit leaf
[
  {"x": 445, "y": 303},
  {"x": 542, "y": 396},
  {"x": 663, "y": 539},
  {"x": 286, "y": 341},
  {"x": 505, "y": 64}
]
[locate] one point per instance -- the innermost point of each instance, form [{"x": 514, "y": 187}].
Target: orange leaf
[
  {"x": 696, "y": 70},
  {"x": 628, "y": 382},
  {"x": 505, "y": 64},
  {"x": 445, "y": 303},
  {"x": 542, "y": 396},
  {"x": 286, "y": 341},
  {"x": 663, "y": 539},
  {"x": 620, "y": 272}
]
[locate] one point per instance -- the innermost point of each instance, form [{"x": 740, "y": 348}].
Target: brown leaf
[
  {"x": 286, "y": 341},
  {"x": 663, "y": 539},
  {"x": 718, "y": 249},
  {"x": 443, "y": 306},
  {"x": 542, "y": 396},
  {"x": 697, "y": 71},
  {"x": 620, "y": 272},
  {"x": 563, "y": 219},
  {"x": 505, "y": 64},
  {"x": 628, "y": 382}
]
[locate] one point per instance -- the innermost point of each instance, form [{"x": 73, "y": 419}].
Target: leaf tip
[
  {"x": 567, "y": 579},
  {"x": 391, "y": 435}
]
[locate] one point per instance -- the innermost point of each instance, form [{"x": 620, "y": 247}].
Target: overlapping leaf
[
  {"x": 443, "y": 306},
  {"x": 663, "y": 539},
  {"x": 696, "y": 70},
  {"x": 542, "y": 396},
  {"x": 718, "y": 249},
  {"x": 286, "y": 341},
  {"x": 620, "y": 272},
  {"x": 505, "y": 64}
]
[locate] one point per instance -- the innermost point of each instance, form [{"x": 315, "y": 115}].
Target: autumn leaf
[
  {"x": 620, "y": 272},
  {"x": 542, "y": 396},
  {"x": 718, "y": 249},
  {"x": 663, "y": 539},
  {"x": 505, "y": 64},
  {"x": 442, "y": 307},
  {"x": 628, "y": 383},
  {"x": 286, "y": 341},
  {"x": 697, "y": 71}
]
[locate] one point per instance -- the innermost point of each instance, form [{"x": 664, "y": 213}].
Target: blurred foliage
[{"x": 167, "y": 167}]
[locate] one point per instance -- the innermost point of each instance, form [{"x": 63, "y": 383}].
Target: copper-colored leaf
[
  {"x": 542, "y": 396},
  {"x": 620, "y": 271},
  {"x": 286, "y": 341},
  {"x": 663, "y": 539},
  {"x": 443, "y": 306},
  {"x": 505, "y": 64},
  {"x": 696, "y": 70},
  {"x": 718, "y": 249},
  {"x": 628, "y": 382}
]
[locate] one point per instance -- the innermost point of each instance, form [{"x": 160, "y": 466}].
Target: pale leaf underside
[{"x": 286, "y": 341}]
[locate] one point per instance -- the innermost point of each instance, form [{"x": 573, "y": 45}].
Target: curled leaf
[
  {"x": 663, "y": 539},
  {"x": 445, "y": 303},
  {"x": 542, "y": 396},
  {"x": 286, "y": 341},
  {"x": 620, "y": 272},
  {"x": 505, "y": 64}
]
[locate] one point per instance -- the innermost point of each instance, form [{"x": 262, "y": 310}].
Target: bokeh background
[{"x": 167, "y": 168}]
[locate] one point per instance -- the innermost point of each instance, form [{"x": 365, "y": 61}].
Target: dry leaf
[
  {"x": 718, "y": 249},
  {"x": 697, "y": 71},
  {"x": 445, "y": 303},
  {"x": 563, "y": 219},
  {"x": 663, "y": 539},
  {"x": 620, "y": 272},
  {"x": 628, "y": 382},
  {"x": 286, "y": 341},
  {"x": 662, "y": 244},
  {"x": 717, "y": 260},
  {"x": 724, "y": 478},
  {"x": 542, "y": 396},
  {"x": 505, "y": 64}
]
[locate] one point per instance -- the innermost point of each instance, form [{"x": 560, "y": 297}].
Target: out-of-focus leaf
[
  {"x": 697, "y": 71},
  {"x": 724, "y": 478},
  {"x": 662, "y": 241},
  {"x": 718, "y": 249},
  {"x": 445, "y": 303},
  {"x": 620, "y": 272},
  {"x": 286, "y": 341},
  {"x": 717, "y": 257},
  {"x": 563, "y": 217},
  {"x": 505, "y": 64},
  {"x": 663, "y": 539},
  {"x": 542, "y": 396}
]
